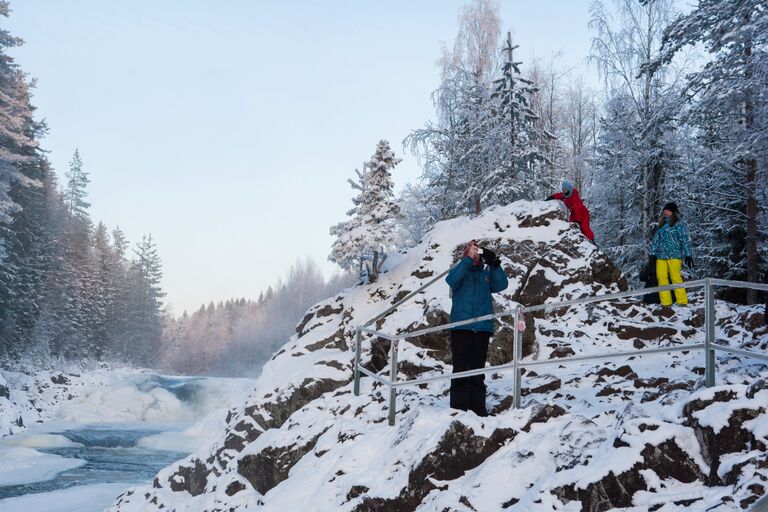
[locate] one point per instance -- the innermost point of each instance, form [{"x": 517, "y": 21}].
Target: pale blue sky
[{"x": 228, "y": 129}]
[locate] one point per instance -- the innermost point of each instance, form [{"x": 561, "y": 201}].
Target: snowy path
[{"x": 116, "y": 434}]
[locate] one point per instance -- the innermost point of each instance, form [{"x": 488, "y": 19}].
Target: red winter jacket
[{"x": 579, "y": 212}]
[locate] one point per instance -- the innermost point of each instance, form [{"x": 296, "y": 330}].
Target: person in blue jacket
[
  {"x": 472, "y": 281},
  {"x": 671, "y": 246}
]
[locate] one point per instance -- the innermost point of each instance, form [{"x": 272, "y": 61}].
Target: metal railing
[{"x": 709, "y": 345}]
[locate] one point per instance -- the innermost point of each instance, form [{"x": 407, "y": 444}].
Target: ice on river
[
  {"x": 22, "y": 465},
  {"x": 84, "y": 498}
]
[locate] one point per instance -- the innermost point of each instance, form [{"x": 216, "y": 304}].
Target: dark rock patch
[
  {"x": 544, "y": 388},
  {"x": 561, "y": 352},
  {"x": 625, "y": 371},
  {"x": 615, "y": 491},
  {"x": 649, "y": 333},
  {"x": 355, "y": 491},
  {"x": 653, "y": 382},
  {"x": 269, "y": 467},
  {"x": 542, "y": 414},
  {"x": 665, "y": 388},
  {"x": 730, "y": 439},
  {"x": 458, "y": 451},
  {"x": 59, "y": 378},
  {"x": 400, "y": 296},
  {"x": 191, "y": 479},
  {"x": 234, "y": 488}
]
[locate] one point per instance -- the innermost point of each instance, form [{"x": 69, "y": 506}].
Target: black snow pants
[{"x": 469, "y": 351}]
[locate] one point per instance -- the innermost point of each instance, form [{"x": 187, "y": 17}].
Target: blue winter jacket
[
  {"x": 671, "y": 242},
  {"x": 471, "y": 288}
]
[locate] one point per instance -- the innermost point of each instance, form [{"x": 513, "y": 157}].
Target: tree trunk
[
  {"x": 373, "y": 275},
  {"x": 751, "y": 176}
]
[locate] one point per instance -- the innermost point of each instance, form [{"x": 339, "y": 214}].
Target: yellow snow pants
[{"x": 666, "y": 269}]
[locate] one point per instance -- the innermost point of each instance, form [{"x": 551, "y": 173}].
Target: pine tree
[
  {"x": 370, "y": 231},
  {"x": 145, "y": 309},
  {"x": 22, "y": 235},
  {"x": 379, "y": 210},
  {"x": 347, "y": 249},
  {"x": 518, "y": 139},
  {"x": 76, "y": 190},
  {"x": 17, "y": 129}
]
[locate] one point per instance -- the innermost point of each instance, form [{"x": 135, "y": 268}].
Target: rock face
[{"x": 303, "y": 441}]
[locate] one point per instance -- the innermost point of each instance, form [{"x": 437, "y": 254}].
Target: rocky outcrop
[{"x": 591, "y": 435}]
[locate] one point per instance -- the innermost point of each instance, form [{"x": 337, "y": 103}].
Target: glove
[
  {"x": 488, "y": 255},
  {"x": 490, "y": 258},
  {"x": 689, "y": 262},
  {"x": 550, "y": 198}
]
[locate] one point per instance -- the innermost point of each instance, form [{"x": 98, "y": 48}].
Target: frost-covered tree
[
  {"x": 145, "y": 307},
  {"x": 579, "y": 133},
  {"x": 366, "y": 237},
  {"x": 728, "y": 97},
  {"x": 76, "y": 190},
  {"x": 455, "y": 151},
  {"x": 347, "y": 249},
  {"x": 18, "y": 130},
  {"x": 417, "y": 214},
  {"x": 237, "y": 336},
  {"x": 487, "y": 145},
  {"x": 518, "y": 138},
  {"x": 378, "y": 209},
  {"x": 638, "y": 128},
  {"x": 22, "y": 237}
]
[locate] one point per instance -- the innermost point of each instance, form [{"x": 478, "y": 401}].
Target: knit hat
[
  {"x": 478, "y": 261},
  {"x": 567, "y": 187},
  {"x": 671, "y": 207}
]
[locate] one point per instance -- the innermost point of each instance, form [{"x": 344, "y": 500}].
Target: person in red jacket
[{"x": 579, "y": 212}]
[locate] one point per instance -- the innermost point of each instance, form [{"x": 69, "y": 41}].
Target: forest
[{"x": 680, "y": 116}]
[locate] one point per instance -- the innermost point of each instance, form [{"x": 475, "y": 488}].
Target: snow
[
  {"x": 348, "y": 439},
  {"x": 22, "y": 465},
  {"x": 43, "y": 440},
  {"x": 85, "y": 498},
  {"x": 718, "y": 414}
]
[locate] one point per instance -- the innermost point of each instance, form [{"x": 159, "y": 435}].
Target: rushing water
[
  {"x": 111, "y": 454},
  {"x": 107, "y": 438}
]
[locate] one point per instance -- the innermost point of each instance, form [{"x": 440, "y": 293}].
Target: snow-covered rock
[{"x": 642, "y": 432}]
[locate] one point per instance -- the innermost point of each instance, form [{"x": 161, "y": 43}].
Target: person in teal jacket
[
  {"x": 671, "y": 246},
  {"x": 472, "y": 281}
]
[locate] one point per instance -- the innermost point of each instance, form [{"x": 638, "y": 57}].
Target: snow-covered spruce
[{"x": 642, "y": 432}]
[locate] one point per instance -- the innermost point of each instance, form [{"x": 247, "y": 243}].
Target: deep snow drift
[{"x": 636, "y": 434}]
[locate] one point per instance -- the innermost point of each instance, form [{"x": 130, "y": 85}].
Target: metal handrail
[{"x": 517, "y": 364}]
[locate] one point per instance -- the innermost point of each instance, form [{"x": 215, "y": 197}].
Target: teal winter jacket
[
  {"x": 471, "y": 288},
  {"x": 671, "y": 242}
]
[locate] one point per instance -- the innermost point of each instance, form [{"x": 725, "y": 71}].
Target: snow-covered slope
[{"x": 641, "y": 432}]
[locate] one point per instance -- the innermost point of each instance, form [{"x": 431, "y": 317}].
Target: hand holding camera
[{"x": 490, "y": 258}]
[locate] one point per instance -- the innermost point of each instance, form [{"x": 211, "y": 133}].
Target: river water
[{"x": 112, "y": 456}]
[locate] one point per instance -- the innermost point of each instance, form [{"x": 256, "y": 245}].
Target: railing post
[
  {"x": 392, "y": 380},
  {"x": 356, "y": 388},
  {"x": 517, "y": 351},
  {"x": 709, "y": 340}
]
